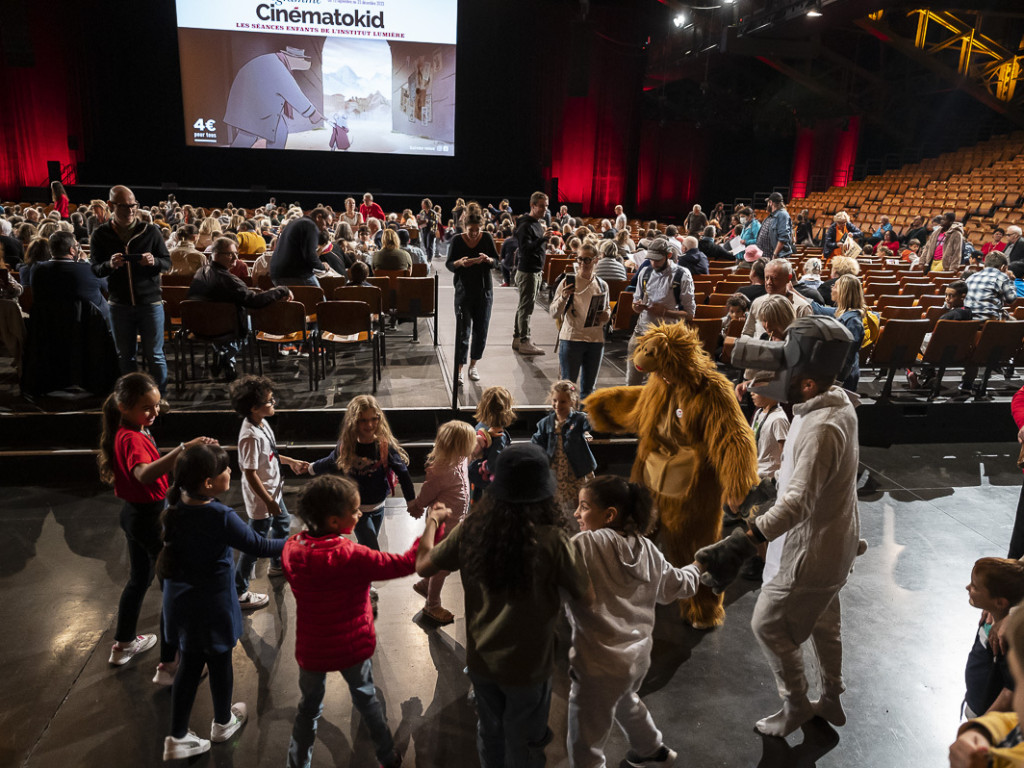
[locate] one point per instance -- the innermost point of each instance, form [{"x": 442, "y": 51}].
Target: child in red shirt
[
  {"x": 330, "y": 578},
  {"x": 129, "y": 460}
]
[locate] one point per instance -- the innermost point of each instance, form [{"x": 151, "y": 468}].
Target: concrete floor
[{"x": 927, "y": 511}]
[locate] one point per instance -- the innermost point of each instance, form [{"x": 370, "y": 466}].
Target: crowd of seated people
[{"x": 272, "y": 252}]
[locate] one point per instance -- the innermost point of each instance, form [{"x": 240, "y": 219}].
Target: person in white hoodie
[
  {"x": 813, "y": 529},
  {"x": 612, "y": 623}
]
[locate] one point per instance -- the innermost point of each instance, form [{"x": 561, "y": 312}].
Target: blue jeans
[
  {"x": 145, "y": 321},
  {"x": 279, "y": 528},
  {"x": 364, "y": 696},
  {"x": 576, "y": 355},
  {"x": 512, "y": 723},
  {"x": 368, "y": 527}
]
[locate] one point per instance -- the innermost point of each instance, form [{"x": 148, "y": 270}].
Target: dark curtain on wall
[
  {"x": 670, "y": 168},
  {"x": 592, "y": 94},
  {"x": 41, "y": 107}
]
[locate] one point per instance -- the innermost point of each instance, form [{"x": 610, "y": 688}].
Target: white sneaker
[
  {"x": 249, "y": 600},
  {"x": 460, "y": 382},
  {"x": 224, "y": 732},
  {"x": 119, "y": 656},
  {"x": 165, "y": 674},
  {"x": 474, "y": 374},
  {"x": 189, "y": 745}
]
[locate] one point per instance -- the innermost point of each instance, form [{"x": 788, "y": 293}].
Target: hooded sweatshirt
[{"x": 611, "y": 629}]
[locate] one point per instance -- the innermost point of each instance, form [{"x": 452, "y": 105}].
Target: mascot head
[{"x": 674, "y": 351}]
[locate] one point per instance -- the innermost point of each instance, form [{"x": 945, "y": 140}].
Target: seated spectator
[
  {"x": 26, "y": 233},
  {"x": 624, "y": 241},
  {"x": 64, "y": 278},
  {"x": 811, "y": 276},
  {"x": 692, "y": 257},
  {"x": 250, "y": 242},
  {"x": 1017, "y": 268},
  {"x": 185, "y": 258},
  {"x": 805, "y": 228},
  {"x": 357, "y": 275},
  {"x": 891, "y": 241},
  {"x": 757, "y": 263},
  {"x": 417, "y": 254},
  {"x": 10, "y": 288},
  {"x": 209, "y": 230},
  {"x": 261, "y": 266},
  {"x": 10, "y": 247},
  {"x": 1014, "y": 248},
  {"x": 12, "y": 325},
  {"x": 841, "y": 265},
  {"x": 737, "y": 306},
  {"x": 997, "y": 243},
  {"x": 883, "y": 227},
  {"x": 214, "y": 282},
  {"x": 78, "y": 227},
  {"x": 675, "y": 243},
  {"x": 778, "y": 281},
  {"x": 37, "y": 252},
  {"x": 912, "y": 253},
  {"x": 609, "y": 266},
  {"x": 712, "y": 250},
  {"x": 991, "y": 289},
  {"x": 955, "y": 296},
  {"x": 850, "y": 311},
  {"x": 919, "y": 230},
  {"x": 391, "y": 257}
]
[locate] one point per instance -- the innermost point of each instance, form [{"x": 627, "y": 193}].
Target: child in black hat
[{"x": 515, "y": 559}]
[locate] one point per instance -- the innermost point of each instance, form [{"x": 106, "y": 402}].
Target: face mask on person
[
  {"x": 743, "y": 219},
  {"x": 936, "y": 228}
]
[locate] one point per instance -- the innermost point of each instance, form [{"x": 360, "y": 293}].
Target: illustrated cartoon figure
[
  {"x": 339, "y": 133},
  {"x": 263, "y": 94}
]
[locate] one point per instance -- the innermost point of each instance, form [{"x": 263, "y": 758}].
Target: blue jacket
[
  {"x": 370, "y": 473},
  {"x": 574, "y": 444},
  {"x": 750, "y": 231}
]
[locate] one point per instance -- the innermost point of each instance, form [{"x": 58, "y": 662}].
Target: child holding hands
[
  {"x": 612, "y": 623},
  {"x": 494, "y": 414},
  {"x": 446, "y": 483},
  {"x": 252, "y": 397},
  {"x": 330, "y": 577}
]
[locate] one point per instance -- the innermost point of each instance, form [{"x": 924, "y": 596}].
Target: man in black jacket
[
  {"x": 64, "y": 278},
  {"x": 296, "y": 256},
  {"x": 214, "y": 282},
  {"x": 533, "y": 242},
  {"x": 131, "y": 254}
]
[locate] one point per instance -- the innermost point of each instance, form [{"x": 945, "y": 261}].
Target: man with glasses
[
  {"x": 778, "y": 279},
  {"x": 131, "y": 254},
  {"x": 214, "y": 282}
]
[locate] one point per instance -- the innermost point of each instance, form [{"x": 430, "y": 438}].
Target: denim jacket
[{"x": 576, "y": 448}]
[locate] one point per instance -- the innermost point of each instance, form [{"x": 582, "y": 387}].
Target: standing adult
[
  {"x": 426, "y": 220},
  {"x": 664, "y": 293},
  {"x": 945, "y": 247},
  {"x": 581, "y": 303},
  {"x": 530, "y": 234},
  {"x": 471, "y": 257},
  {"x": 131, "y": 255},
  {"x": 751, "y": 227},
  {"x": 813, "y": 529},
  {"x": 621, "y": 222},
  {"x": 60, "y": 199},
  {"x": 696, "y": 220},
  {"x": 296, "y": 256},
  {"x": 371, "y": 210},
  {"x": 775, "y": 237}
]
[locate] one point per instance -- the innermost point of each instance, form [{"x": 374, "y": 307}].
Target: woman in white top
[
  {"x": 351, "y": 215},
  {"x": 581, "y": 303}
]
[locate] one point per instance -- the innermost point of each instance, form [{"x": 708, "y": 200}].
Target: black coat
[
  {"x": 214, "y": 283},
  {"x": 295, "y": 256},
  {"x": 63, "y": 280},
  {"x": 132, "y": 284}
]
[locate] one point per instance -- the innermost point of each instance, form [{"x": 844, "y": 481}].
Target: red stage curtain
[
  {"x": 670, "y": 170},
  {"x": 40, "y": 109}
]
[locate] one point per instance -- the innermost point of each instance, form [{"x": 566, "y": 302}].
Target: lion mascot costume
[{"x": 695, "y": 451}]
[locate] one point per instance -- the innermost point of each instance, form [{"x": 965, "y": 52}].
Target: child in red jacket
[{"x": 330, "y": 577}]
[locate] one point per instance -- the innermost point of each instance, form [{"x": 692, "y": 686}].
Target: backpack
[
  {"x": 872, "y": 326},
  {"x": 677, "y": 279}
]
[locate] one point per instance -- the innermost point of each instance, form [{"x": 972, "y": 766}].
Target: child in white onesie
[{"x": 612, "y": 623}]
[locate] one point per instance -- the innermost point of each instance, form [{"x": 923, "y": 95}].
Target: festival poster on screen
[{"x": 324, "y": 75}]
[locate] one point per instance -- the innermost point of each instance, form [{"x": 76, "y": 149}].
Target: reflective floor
[{"x": 927, "y": 511}]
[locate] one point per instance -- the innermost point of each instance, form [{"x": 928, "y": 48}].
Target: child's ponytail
[
  {"x": 637, "y": 518},
  {"x": 127, "y": 391},
  {"x": 631, "y": 500}
]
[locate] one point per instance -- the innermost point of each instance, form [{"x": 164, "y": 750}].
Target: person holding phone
[
  {"x": 471, "y": 256},
  {"x": 131, "y": 254},
  {"x": 581, "y": 304}
]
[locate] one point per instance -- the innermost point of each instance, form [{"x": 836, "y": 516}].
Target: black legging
[
  {"x": 186, "y": 683},
  {"x": 1017, "y": 537}
]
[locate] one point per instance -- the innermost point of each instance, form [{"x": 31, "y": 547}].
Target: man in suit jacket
[
  {"x": 64, "y": 278},
  {"x": 1014, "y": 249}
]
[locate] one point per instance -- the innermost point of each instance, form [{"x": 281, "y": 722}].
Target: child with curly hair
[
  {"x": 447, "y": 482},
  {"x": 565, "y": 435},
  {"x": 495, "y": 413}
]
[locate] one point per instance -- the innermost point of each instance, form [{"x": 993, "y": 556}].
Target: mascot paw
[{"x": 722, "y": 560}]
